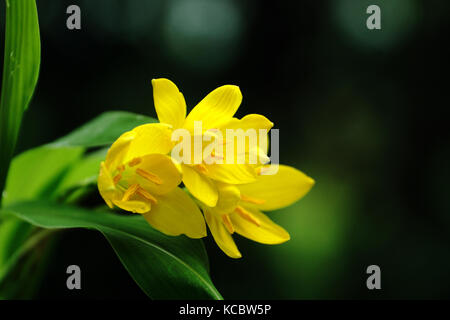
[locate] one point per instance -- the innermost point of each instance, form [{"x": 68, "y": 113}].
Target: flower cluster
[{"x": 140, "y": 175}]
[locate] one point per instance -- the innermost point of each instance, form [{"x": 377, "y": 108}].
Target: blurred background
[{"x": 360, "y": 111}]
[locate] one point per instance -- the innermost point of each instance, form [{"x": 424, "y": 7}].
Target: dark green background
[{"x": 362, "y": 112}]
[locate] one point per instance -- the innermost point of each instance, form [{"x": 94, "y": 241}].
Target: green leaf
[
  {"x": 164, "y": 267},
  {"x": 24, "y": 282},
  {"x": 100, "y": 131},
  {"x": 36, "y": 173},
  {"x": 45, "y": 165},
  {"x": 13, "y": 233},
  {"x": 20, "y": 73},
  {"x": 30, "y": 245},
  {"x": 33, "y": 174},
  {"x": 83, "y": 173},
  {"x": 104, "y": 129}
]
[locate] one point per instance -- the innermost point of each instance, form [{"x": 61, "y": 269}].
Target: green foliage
[
  {"x": 13, "y": 232},
  {"x": 36, "y": 173},
  {"x": 49, "y": 170},
  {"x": 22, "y": 57},
  {"x": 20, "y": 73},
  {"x": 33, "y": 174},
  {"x": 83, "y": 173},
  {"x": 103, "y": 130},
  {"x": 164, "y": 267}
]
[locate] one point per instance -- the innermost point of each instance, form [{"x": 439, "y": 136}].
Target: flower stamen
[
  {"x": 130, "y": 192},
  {"x": 149, "y": 176},
  {"x": 144, "y": 193},
  {"x": 134, "y": 162},
  {"x": 227, "y": 223},
  {"x": 252, "y": 200},
  {"x": 248, "y": 216},
  {"x": 117, "y": 178},
  {"x": 202, "y": 168}
]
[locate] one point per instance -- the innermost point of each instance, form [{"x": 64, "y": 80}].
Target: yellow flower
[
  {"x": 215, "y": 112},
  {"x": 239, "y": 208},
  {"x": 138, "y": 176}
]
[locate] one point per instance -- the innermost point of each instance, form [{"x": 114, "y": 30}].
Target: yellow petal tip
[
  {"x": 233, "y": 87},
  {"x": 234, "y": 254},
  {"x": 311, "y": 181},
  {"x": 285, "y": 237}
]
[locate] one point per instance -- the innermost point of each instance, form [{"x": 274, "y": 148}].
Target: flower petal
[
  {"x": 268, "y": 232},
  {"x": 164, "y": 175},
  {"x": 279, "y": 190},
  {"x": 150, "y": 138},
  {"x": 145, "y": 139},
  {"x": 231, "y": 173},
  {"x": 135, "y": 206},
  {"x": 169, "y": 103},
  {"x": 221, "y": 235},
  {"x": 175, "y": 214},
  {"x": 229, "y": 197},
  {"x": 200, "y": 186},
  {"x": 118, "y": 150},
  {"x": 106, "y": 185},
  {"x": 248, "y": 137},
  {"x": 216, "y": 109},
  {"x": 250, "y": 121}
]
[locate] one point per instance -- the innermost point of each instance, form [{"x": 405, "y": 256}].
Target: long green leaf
[
  {"x": 164, "y": 267},
  {"x": 36, "y": 173},
  {"x": 104, "y": 129},
  {"x": 61, "y": 160},
  {"x": 13, "y": 233},
  {"x": 20, "y": 73},
  {"x": 48, "y": 171},
  {"x": 83, "y": 173}
]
